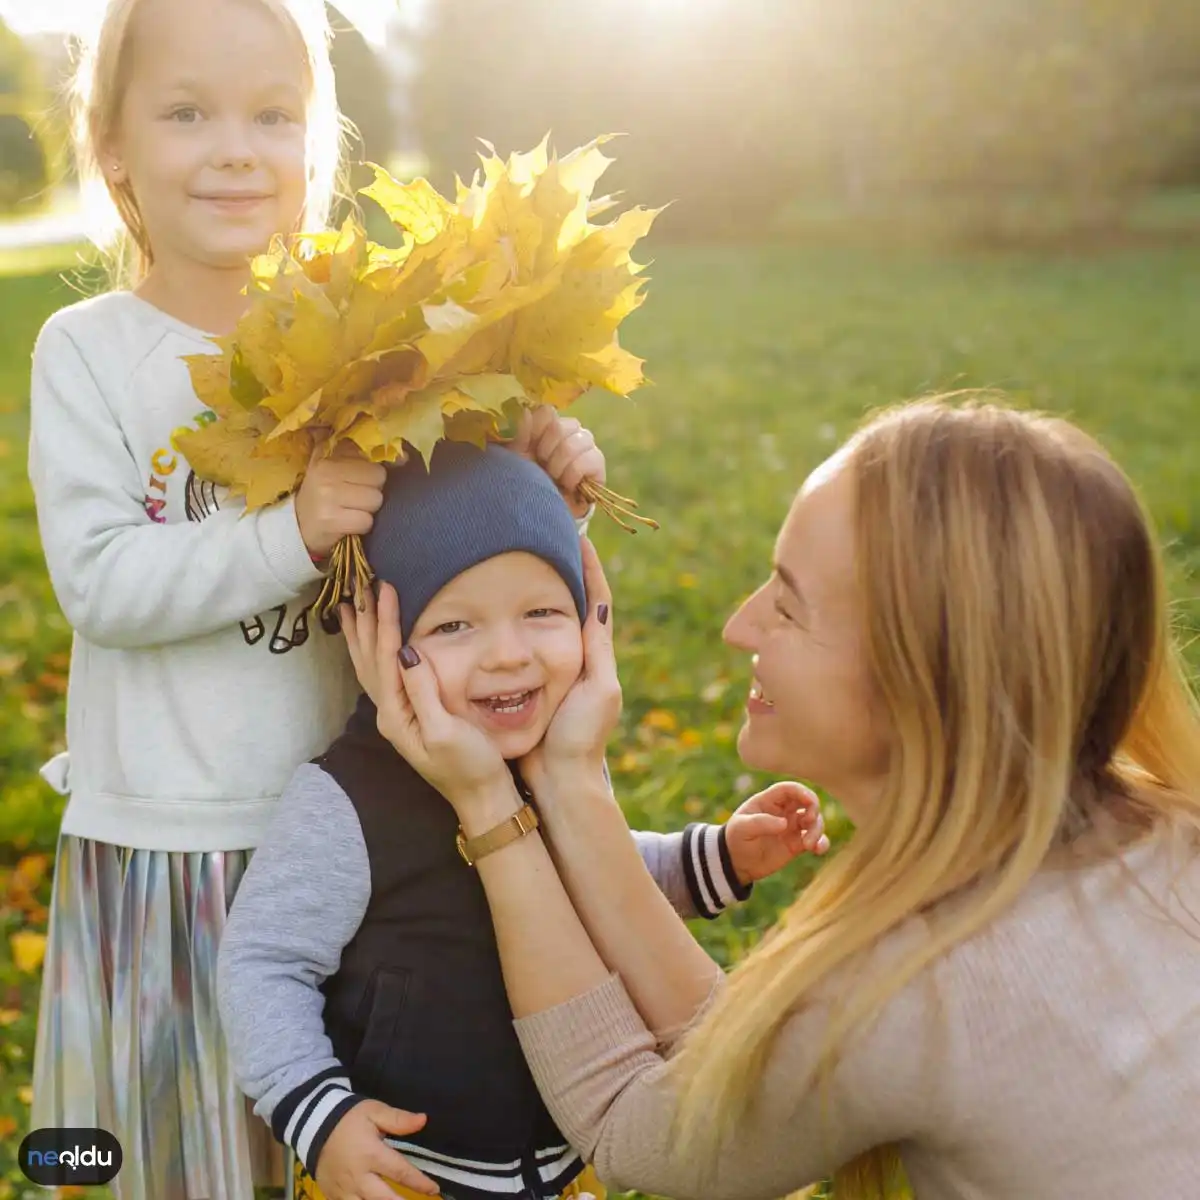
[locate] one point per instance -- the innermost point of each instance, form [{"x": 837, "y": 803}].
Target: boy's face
[{"x": 506, "y": 646}]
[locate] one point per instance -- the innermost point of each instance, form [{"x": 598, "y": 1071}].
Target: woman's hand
[
  {"x": 360, "y": 628},
  {"x": 574, "y": 744},
  {"x": 450, "y": 753}
]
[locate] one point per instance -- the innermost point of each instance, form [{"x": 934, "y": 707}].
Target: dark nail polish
[
  {"x": 602, "y": 614},
  {"x": 409, "y": 657}
]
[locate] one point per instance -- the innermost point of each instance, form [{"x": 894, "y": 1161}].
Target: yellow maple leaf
[
  {"x": 414, "y": 207},
  {"x": 28, "y": 950}
]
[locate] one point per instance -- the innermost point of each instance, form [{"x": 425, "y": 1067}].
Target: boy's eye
[
  {"x": 541, "y": 612},
  {"x": 451, "y": 627}
]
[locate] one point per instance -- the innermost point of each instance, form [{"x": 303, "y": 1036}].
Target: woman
[{"x": 997, "y": 982}]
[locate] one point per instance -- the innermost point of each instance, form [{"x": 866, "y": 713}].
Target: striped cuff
[
  {"x": 306, "y": 1116},
  {"x": 708, "y": 870}
]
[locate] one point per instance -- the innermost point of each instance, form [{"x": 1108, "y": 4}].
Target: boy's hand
[
  {"x": 339, "y": 496},
  {"x": 563, "y": 449},
  {"x": 356, "y": 1162},
  {"x": 772, "y": 828}
]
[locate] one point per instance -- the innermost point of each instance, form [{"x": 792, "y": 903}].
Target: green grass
[{"x": 762, "y": 360}]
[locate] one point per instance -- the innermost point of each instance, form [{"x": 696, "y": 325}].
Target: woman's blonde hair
[
  {"x": 1018, "y": 631},
  {"x": 97, "y": 91}
]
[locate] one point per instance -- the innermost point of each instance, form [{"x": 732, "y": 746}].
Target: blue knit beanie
[{"x": 470, "y": 505}]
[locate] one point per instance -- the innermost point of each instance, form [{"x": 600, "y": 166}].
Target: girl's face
[
  {"x": 505, "y": 643},
  {"x": 211, "y": 134},
  {"x": 813, "y": 710}
]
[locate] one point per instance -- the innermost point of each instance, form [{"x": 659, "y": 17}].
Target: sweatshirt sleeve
[
  {"x": 693, "y": 869},
  {"x": 301, "y": 900},
  {"x": 122, "y": 580}
]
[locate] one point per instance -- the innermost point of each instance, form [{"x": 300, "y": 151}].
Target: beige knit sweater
[{"x": 1055, "y": 1056}]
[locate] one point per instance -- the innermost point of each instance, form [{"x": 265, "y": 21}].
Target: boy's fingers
[{"x": 391, "y": 1164}]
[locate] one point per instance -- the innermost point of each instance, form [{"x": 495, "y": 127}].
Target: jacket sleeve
[
  {"x": 301, "y": 900},
  {"x": 693, "y": 869}
]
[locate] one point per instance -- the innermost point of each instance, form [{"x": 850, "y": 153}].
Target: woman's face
[{"x": 813, "y": 711}]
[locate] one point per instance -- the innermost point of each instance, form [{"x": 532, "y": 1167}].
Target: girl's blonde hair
[
  {"x": 1019, "y": 637},
  {"x": 97, "y": 91}
]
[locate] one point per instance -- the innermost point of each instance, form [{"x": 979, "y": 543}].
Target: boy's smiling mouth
[{"x": 509, "y": 710}]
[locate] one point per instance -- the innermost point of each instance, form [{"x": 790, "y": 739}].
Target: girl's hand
[
  {"x": 772, "y": 828},
  {"x": 575, "y": 741},
  {"x": 563, "y": 449},
  {"x": 450, "y": 753},
  {"x": 339, "y": 496}
]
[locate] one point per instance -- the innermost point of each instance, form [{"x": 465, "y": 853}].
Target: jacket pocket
[{"x": 388, "y": 997}]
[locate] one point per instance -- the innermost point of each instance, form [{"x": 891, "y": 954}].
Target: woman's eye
[
  {"x": 451, "y": 627},
  {"x": 782, "y": 612}
]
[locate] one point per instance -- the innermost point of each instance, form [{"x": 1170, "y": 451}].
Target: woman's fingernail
[
  {"x": 602, "y": 614},
  {"x": 409, "y": 657}
]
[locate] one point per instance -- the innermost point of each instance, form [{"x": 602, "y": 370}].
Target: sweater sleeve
[
  {"x": 616, "y": 1099},
  {"x": 301, "y": 900},
  {"x": 693, "y": 869},
  {"x": 122, "y": 580}
]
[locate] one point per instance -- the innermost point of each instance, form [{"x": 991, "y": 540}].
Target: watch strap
[{"x": 524, "y": 821}]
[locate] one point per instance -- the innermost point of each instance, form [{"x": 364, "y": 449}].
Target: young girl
[{"x": 199, "y": 678}]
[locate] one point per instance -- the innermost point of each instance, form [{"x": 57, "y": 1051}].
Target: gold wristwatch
[{"x": 514, "y": 827}]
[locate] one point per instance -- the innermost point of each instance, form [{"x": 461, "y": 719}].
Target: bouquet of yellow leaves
[{"x": 508, "y": 297}]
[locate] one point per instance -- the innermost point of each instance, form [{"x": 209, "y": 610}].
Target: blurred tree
[
  {"x": 736, "y": 109},
  {"x": 364, "y": 91},
  {"x": 25, "y": 157}
]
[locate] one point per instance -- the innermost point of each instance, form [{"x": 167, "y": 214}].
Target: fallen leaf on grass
[
  {"x": 25, "y": 1094},
  {"x": 8, "y": 1126},
  {"x": 28, "y": 950},
  {"x": 9, "y": 1016},
  {"x": 660, "y": 719}
]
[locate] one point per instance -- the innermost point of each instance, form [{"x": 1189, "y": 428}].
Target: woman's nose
[{"x": 741, "y": 630}]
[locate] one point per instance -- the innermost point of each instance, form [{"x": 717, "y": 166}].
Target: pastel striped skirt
[{"x": 128, "y": 1034}]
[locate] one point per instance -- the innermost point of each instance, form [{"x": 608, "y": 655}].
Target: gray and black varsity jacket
[{"x": 359, "y": 961}]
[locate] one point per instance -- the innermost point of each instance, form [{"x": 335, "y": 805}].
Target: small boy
[{"x": 359, "y": 963}]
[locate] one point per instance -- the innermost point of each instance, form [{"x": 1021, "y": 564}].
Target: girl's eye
[
  {"x": 451, "y": 627},
  {"x": 274, "y": 116},
  {"x": 188, "y": 115}
]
